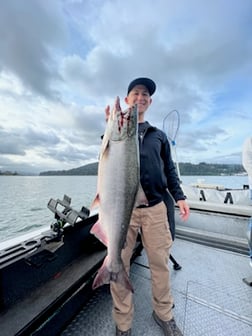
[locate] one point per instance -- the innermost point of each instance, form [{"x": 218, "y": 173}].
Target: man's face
[{"x": 139, "y": 95}]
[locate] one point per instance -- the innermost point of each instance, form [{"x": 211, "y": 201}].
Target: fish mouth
[{"x": 126, "y": 122}]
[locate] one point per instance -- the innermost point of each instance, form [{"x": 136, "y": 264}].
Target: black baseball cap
[{"x": 147, "y": 82}]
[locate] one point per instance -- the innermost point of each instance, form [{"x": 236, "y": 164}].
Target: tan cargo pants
[{"x": 157, "y": 240}]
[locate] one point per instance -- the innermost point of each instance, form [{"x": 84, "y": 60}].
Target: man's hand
[
  {"x": 184, "y": 209},
  {"x": 117, "y": 107}
]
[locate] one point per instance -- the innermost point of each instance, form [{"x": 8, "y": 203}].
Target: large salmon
[{"x": 117, "y": 188}]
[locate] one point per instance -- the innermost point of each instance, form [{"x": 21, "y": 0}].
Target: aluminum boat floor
[{"x": 210, "y": 296}]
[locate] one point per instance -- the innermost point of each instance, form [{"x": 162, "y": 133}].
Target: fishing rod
[{"x": 171, "y": 124}]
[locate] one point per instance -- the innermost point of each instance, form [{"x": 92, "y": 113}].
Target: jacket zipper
[{"x": 142, "y": 134}]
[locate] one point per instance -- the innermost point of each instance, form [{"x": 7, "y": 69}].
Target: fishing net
[{"x": 171, "y": 125}]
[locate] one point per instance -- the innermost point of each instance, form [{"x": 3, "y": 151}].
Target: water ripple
[{"x": 25, "y": 198}]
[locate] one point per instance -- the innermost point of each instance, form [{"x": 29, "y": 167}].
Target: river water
[{"x": 24, "y": 199}]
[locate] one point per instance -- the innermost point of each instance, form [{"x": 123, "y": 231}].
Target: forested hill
[
  {"x": 185, "y": 169},
  {"x": 89, "y": 169}
]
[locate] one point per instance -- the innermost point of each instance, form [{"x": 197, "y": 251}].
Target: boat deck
[{"x": 210, "y": 296}]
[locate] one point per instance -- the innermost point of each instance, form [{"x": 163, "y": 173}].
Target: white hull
[
  {"x": 215, "y": 222},
  {"x": 216, "y": 194}
]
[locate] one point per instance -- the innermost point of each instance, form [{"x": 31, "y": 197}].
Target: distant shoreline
[
  {"x": 9, "y": 174},
  {"x": 186, "y": 169}
]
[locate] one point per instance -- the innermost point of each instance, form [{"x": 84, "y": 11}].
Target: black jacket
[{"x": 157, "y": 170}]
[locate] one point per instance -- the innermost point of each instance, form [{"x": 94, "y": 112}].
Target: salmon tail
[
  {"x": 123, "y": 278},
  {"x": 104, "y": 276}
]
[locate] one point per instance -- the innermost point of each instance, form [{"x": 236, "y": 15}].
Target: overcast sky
[{"x": 63, "y": 61}]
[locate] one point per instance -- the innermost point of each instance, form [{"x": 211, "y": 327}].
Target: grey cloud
[
  {"x": 40, "y": 137},
  {"x": 206, "y": 52},
  {"x": 199, "y": 140},
  {"x": 29, "y": 30},
  {"x": 16, "y": 142},
  {"x": 91, "y": 126},
  {"x": 70, "y": 154},
  {"x": 10, "y": 143},
  {"x": 11, "y": 146},
  {"x": 192, "y": 54},
  {"x": 106, "y": 78},
  {"x": 181, "y": 71}
]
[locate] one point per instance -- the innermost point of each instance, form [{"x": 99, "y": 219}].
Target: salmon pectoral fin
[
  {"x": 105, "y": 147},
  {"x": 104, "y": 276},
  {"x": 99, "y": 233}
]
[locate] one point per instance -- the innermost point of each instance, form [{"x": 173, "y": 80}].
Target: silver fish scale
[
  {"x": 210, "y": 297},
  {"x": 118, "y": 182}
]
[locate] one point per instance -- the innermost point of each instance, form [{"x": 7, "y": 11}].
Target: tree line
[{"x": 186, "y": 168}]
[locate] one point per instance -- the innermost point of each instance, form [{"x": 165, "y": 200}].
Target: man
[
  {"x": 247, "y": 164},
  {"x": 247, "y": 161},
  {"x": 157, "y": 173}
]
